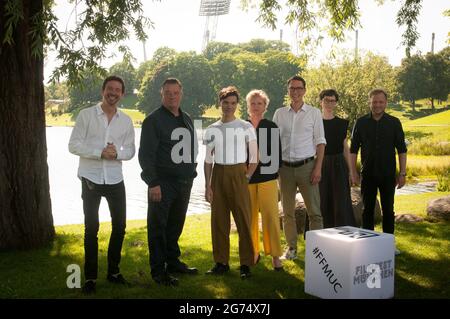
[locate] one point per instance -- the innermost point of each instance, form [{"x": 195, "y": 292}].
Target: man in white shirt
[
  {"x": 303, "y": 145},
  {"x": 103, "y": 137},
  {"x": 226, "y": 182}
]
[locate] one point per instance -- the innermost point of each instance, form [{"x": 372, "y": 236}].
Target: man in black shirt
[
  {"x": 378, "y": 134},
  {"x": 168, "y": 167}
]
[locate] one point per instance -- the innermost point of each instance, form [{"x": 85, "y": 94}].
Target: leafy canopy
[
  {"x": 316, "y": 18},
  {"x": 79, "y": 48}
]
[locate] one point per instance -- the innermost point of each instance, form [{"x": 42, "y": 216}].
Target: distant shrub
[
  {"x": 429, "y": 148},
  {"x": 427, "y": 166},
  {"x": 444, "y": 181}
]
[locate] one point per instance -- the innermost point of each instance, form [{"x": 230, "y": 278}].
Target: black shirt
[
  {"x": 266, "y": 157},
  {"x": 335, "y": 134},
  {"x": 156, "y": 147},
  {"x": 378, "y": 141}
]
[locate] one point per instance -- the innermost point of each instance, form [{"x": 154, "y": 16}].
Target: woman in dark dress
[{"x": 335, "y": 200}]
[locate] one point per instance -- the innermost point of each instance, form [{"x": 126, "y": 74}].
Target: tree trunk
[
  {"x": 432, "y": 103},
  {"x": 413, "y": 105},
  {"x": 25, "y": 209}
]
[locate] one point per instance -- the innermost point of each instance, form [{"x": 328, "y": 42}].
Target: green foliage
[
  {"x": 425, "y": 77},
  {"x": 437, "y": 80},
  {"x": 142, "y": 70},
  {"x": 195, "y": 74},
  {"x": 13, "y": 15},
  {"x": 252, "y": 65},
  {"x": 250, "y": 75},
  {"x": 225, "y": 70},
  {"x": 57, "y": 91},
  {"x": 314, "y": 19},
  {"x": 280, "y": 66},
  {"x": 86, "y": 93},
  {"x": 247, "y": 70},
  {"x": 444, "y": 181},
  {"x": 407, "y": 16},
  {"x": 129, "y": 101},
  {"x": 352, "y": 79},
  {"x": 411, "y": 78},
  {"x": 159, "y": 56},
  {"x": 127, "y": 72},
  {"x": 261, "y": 46},
  {"x": 100, "y": 23},
  {"x": 255, "y": 46},
  {"x": 213, "y": 49}
]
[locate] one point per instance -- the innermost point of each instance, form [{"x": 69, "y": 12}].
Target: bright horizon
[{"x": 379, "y": 32}]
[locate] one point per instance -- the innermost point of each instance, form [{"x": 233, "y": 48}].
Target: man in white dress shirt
[
  {"x": 303, "y": 146},
  {"x": 103, "y": 137}
]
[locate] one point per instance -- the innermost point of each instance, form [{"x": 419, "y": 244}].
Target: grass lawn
[
  {"x": 427, "y": 133},
  {"x": 436, "y": 126},
  {"x": 66, "y": 119},
  {"x": 441, "y": 118},
  {"x": 60, "y": 120},
  {"x": 136, "y": 116},
  {"x": 425, "y": 167},
  {"x": 215, "y": 112},
  {"x": 405, "y": 113},
  {"x": 421, "y": 269},
  {"x": 129, "y": 101}
]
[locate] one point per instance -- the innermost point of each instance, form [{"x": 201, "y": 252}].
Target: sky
[{"x": 177, "y": 25}]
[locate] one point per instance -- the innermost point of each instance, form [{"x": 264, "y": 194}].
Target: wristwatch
[{"x": 402, "y": 174}]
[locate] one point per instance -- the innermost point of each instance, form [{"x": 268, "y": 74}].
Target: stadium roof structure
[{"x": 211, "y": 8}]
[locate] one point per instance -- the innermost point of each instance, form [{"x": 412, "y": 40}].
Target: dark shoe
[
  {"x": 117, "y": 279},
  {"x": 88, "y": 287},
  {"x": 245, "y": 272},
  {"x": 166, "y": 280},
  {"x": 218, "y": 269},
  {"x": 182, "y": 268}
]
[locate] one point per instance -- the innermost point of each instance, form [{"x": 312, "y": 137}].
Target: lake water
[{"x": 65, "y": 187}]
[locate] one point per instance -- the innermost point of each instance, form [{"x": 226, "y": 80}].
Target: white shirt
[
  {"x": 226, "y": 143},
  {"x": 300, "y": 132},
  {"x": 91, "y": 135}
]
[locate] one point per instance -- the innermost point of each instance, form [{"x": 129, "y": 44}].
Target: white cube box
[{"x": 348, "y": 262}]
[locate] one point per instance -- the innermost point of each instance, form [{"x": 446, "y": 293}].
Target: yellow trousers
[{"x": 264, "y": 199}]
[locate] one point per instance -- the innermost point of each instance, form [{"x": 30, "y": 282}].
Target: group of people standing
[{"x": 248, "y": 163}]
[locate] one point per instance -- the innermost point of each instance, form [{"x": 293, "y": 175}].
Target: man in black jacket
[
  {"x": 378, "y": 134},
  {"x": 167, "y": 154}
]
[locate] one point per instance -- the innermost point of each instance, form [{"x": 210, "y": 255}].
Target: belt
[{"x": 298, "y": 163}]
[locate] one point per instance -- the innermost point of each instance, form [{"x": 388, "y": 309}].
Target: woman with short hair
[{"x": 263, "y": 185}]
